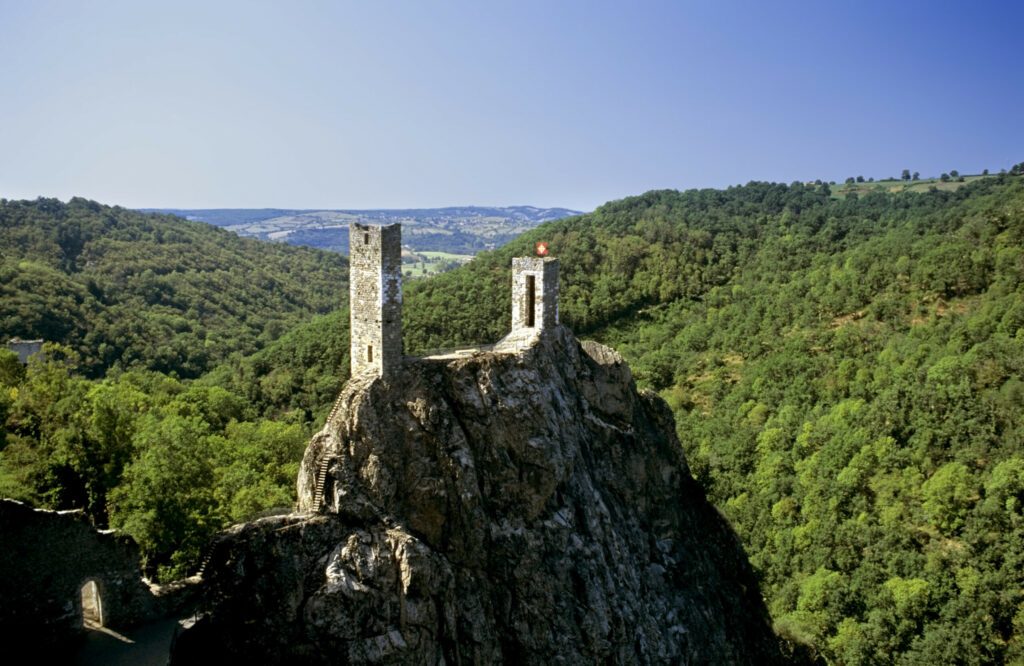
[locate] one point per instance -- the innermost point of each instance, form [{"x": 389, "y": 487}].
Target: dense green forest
[
  {"x": 128, "y": 289},
  {"x": 851, "y": 397},
  {"x": 132, "y": 306},
  {"x": 169, "y": 463},
  {"x": 848, "y": 382},
  {"x": 847, "y": 377}
]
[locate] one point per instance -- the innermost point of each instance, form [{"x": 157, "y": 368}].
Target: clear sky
[{"x": 421, "y": 104}]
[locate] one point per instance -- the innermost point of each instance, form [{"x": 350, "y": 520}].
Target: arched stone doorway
[{"x": 92, "y": 604}]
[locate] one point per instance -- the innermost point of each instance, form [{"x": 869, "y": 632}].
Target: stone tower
[
  {"x": 534, "y": 293},
  {"x": 375, "y": 297}
]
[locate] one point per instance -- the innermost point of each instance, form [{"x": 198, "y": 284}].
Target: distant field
[
  {"x": 425, "y": 264},
  {"x": 841, "y": 190},
  {"x": 446, "y": 256}
]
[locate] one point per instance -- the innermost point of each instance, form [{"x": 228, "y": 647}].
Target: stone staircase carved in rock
[
  {"x": 335, "y": 408},
  {"x": 321, "y": 482}
]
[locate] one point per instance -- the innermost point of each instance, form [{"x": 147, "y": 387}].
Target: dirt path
[{"x": 147, "y": 645}]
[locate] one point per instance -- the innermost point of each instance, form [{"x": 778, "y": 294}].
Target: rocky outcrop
[{"x": 521, "y": 508}]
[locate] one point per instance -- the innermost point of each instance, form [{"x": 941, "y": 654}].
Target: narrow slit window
[
  {"x": 531, "y": 300},
  {"x": 369, "y": 353},
  {"x": 366, "y": 239}
]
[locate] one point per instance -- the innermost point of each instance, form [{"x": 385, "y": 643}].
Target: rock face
[{"x": 520, "y": 508}]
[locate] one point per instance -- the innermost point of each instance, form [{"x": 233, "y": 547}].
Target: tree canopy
[{"x": 128, "y": 289}]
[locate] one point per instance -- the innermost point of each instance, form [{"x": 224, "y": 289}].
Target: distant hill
[
  {"x": 125, "y": 288},
  {"x": 459, "y": 230}
]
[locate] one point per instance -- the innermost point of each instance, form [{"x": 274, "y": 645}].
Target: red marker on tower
[{"x": 542, "y": 249}]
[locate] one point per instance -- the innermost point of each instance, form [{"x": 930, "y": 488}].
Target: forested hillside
[
  {"x": 130, "y": 289},
  {"x": 132, "y": 305},
  {"x": 852, "y": 398},
  {"x": 848, "y": 382}
]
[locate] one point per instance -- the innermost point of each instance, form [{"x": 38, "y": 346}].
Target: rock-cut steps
[{"x": 321, "y": 482}]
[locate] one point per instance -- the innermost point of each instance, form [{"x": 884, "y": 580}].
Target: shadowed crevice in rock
[{"x": 527, "y": 507}]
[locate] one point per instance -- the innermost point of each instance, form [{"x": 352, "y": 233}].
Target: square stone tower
[
  {"x": 534, "y": 293},
  {"x": 375, "y": 297}
]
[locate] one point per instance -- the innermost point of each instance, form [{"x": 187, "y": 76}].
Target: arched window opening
[{"x": 92, "y": 605}]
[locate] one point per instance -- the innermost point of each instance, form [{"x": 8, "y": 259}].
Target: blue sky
[{"x": 420, "y": 104}]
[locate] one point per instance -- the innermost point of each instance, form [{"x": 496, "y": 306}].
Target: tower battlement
[{"x": 375, "y": 297}]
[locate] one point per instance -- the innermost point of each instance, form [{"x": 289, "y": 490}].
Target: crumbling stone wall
[
  {"x": 375, "y": 297},
  {"x": 45, "y": 559},
  {"x": 534, "y": 293}
]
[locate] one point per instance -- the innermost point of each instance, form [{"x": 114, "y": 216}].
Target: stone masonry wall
[
  {"x": 545, "y": 274},
  {"x": 25, "y": 348},
  {"x": 375, "y": 292},
  {"x": 45, "y": 559}
]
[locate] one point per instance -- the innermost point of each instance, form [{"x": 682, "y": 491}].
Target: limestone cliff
[{"x": 527, "y": 507}]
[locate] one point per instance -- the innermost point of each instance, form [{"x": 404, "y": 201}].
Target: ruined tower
[
  {"x": 375, "y": 297},
  {"x": 534, "y": 293}
]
